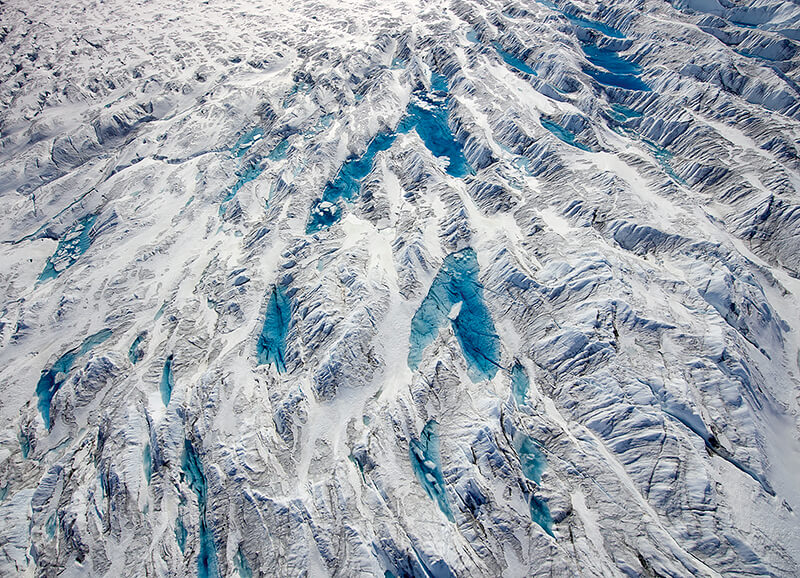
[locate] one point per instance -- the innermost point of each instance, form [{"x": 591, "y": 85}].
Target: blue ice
[
  {"x": 324, "y": 122},
  {"x": 540, "y": 514},
  {"x": 135, "y": 354},
  {"x": 301, "y": 86},
  {"x": 181, "y": 534},
  {"x": 427, "y": 114},
  {"x": 24, "y": 444},
  {"x": 246, "y": 141},
  {"x": 519, "y": 383},
  {"x": 347, "y": 183},
  {"x": 512, "y": 60},
  {"x": 533, "y": 463},
  {"x": 426, "y": 462},
  {"x": 94, "y": 340},
  {"x": 255, "y": 167},
  {"x": 271, "y": 346},
  {"x": 594, "y": 25},
  {"x": 50, "y": 526},
  {"x": 622, "y": 113},
  {"x": 612, "y": 69},
  {"x": 428, "y": 117},
  {"x": 439, "y": 83},
  {"x": 564, "y": 134},
  {"x": 663, "y": 157},
  {"x": 72, "y": 245},
  {"x": 250, "y": 173},
  {"x": 457, "y": 285},
  {"x": 193, "y": 473},
  {"x": 49, "y": 382},
  {"x": 279, "y": 152},
  {"x": 585, "y": 22},
  {"x": 167, "y": 381},
  {"x": 242, "y": 567},
  {"x": 531, "y": 458}
]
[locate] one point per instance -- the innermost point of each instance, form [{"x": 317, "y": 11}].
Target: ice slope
[{"x": 549, "y": 328}]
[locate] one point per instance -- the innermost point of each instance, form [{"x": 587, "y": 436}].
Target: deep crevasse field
[{"x": 436, "y": 288}]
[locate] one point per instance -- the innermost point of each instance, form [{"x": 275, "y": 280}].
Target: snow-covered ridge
[{"x": 446, "y": 288}]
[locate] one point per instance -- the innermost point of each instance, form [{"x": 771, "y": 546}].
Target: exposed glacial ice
[
  {"x": 53, "y": 377},
  {"x": 75, "y": 242},
  {"x": 513, "y": 61},
  {"x": 167, "y": 381},
  {"x": 425, "y": 461},
  {"x": 449, "y": 288},
  {"x": 564, "y": 134},
  {"x": 427, "y": 115},
  {"x": 271, "y": 347},
  {"x": 456, "y": 294},
  {"x": 193, "y": 473},
  {"x": 611, "y": 69},
  {"x": 136, "y": 351}
]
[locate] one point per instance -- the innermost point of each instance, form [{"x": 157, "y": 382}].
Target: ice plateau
[{"x": 419, "y": 288}]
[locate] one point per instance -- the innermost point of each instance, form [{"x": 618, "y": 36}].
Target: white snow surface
[{"x": 647, "y": 281}]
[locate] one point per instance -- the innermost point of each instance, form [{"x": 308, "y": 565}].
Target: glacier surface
[{"x": 420, "y": 288}]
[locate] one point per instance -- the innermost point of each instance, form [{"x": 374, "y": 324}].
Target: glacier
[{"x": 421, "y": 288}]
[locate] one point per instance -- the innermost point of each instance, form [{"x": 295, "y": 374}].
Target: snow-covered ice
[{"x": 416, "y": 288}]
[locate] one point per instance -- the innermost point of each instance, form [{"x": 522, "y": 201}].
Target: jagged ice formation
[{"x": 412, "y": 288}]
